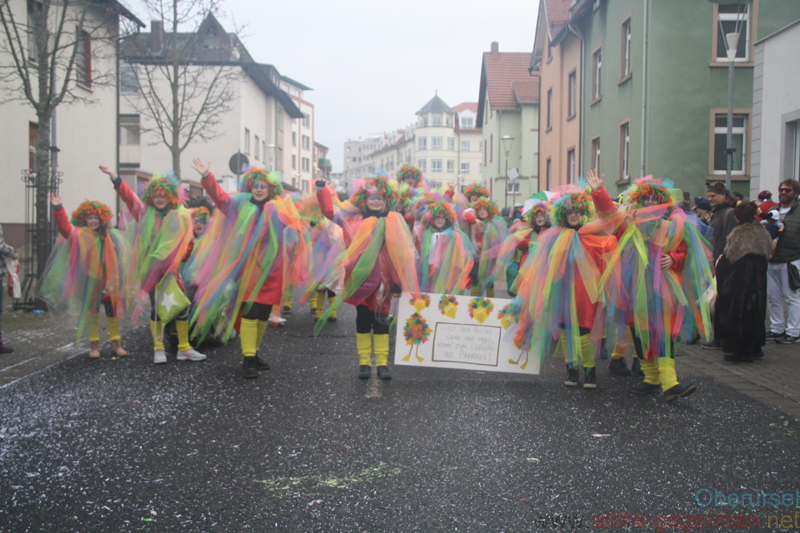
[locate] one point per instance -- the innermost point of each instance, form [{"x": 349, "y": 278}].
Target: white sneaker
[
  {"x": 190, "y": 355},
  {"x": 159, "y": 357}
]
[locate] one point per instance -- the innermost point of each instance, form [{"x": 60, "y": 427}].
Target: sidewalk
[
  {"x": 774, "y": 380},
  {"x": 41, "y": 340}
]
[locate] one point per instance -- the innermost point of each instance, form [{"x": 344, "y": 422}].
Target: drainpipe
[
  {"x": 579, "y": 151},
  {"x": 644, "y": 88}
]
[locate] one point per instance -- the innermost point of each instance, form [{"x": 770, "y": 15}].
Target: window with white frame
[
  {"x": 306, "y": 120},
  {"x": 451, "y": 165},
  {"x": 548, "y": 174},
  {"x": 451, "y": 143},
  {"x": 465, "y": 145},
  {"x": 549, "y": 108},
  {"x": 422, "y": 164},
  {"x": 436, "y": 142},
  {"x": 597, "y": 60},
  {"x": 572, "y": 94},
  {"x": 306, "y": 162},
  {"x": 721, "y": 143},
  {"x": 437, "y": 120},
  {"x": 83, "y": 60},
  {"x": 512, "y": 187},
  {"x": 467, "y": 123},
  {"x": 294, "y": 161},
  {"x": 480, "y": 167},
  {"x": 624, "y": 151},
  {"x": 730, "y": 18},
  {"x": 425, "y": 121},
  {"x": 246, "y": 141},
  {"x": 294, "y": 140},
  {"x": 257, "y": 147},
  {"x": 571, "y": 166},
  {"x": 280, "y": 118},
  {"x": 128, "y": 78},
  {"x": 422, "y": 143},
  {"x": 595, "y": 163},
  {"x": 625, "y": 50},
  {"x": 306, "y": 142},
  {"x": 792, "y": 153},
  {"x": 465, "y": 167},
  {"x": 436, "y": 165}
]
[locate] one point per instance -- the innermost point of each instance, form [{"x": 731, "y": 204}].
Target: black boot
[
  {"x": 262, "y": 364},
  {"x": 384, "y": 372},
  {"x": 250, "y": 368},
  {"x": 572, "y": 376},
  {"x": 4, "y": 348},
  {"x": 364, "y": 371},
  {"x": 619, "y": 367},
  {"x": 591, "y": 379},
  {"x": 678, "y": 391}
]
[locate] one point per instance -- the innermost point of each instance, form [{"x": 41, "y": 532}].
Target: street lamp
[
  {"x": 731, "y": 45},
  {"x": 458, "y": 182},
  {"x": 508, "y": 142}
]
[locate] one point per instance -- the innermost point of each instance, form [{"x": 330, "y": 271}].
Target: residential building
[
  {"x": 651, "y": 101},
  {"x": 776, "y": 110},
  {"x": 298, "y": 160},
  {"x": 357, "y": 162},
  {"x": 257, "y": 123},
  {"x": 83, "y": 129},
  {"x": 508, "y": 112},
  {"x": 321, "y": 162},
  {"x": 557, "y": 56}
]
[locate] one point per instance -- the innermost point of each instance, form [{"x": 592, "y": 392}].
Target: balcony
[{"x": 325, "y": 163}]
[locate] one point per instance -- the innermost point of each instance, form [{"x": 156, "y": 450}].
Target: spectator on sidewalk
[
  {"x": 783, "y": 279},
  {"x": 5, "y": 251},
  {"x": 741, "y": 308},
  {"x": 722, "y": 222}
]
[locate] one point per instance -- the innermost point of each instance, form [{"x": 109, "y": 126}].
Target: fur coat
[{"x": 742, "y": 290}]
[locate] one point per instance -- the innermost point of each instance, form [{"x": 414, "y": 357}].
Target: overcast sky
[{"x": 373, "y": 64}]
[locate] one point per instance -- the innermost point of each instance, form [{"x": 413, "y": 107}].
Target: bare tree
[
  {"x": 48, "y": 48},
  {"x": 184, "y": 80}
]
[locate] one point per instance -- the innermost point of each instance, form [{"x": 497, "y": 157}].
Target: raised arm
[
  {"x": 221, "y": 199},
  {"x": 60, "y": 215},
  {"x": 324, "y": 199},
  {"x": 135, "y": 205}
]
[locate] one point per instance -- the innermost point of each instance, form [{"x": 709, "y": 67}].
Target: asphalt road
[{"x": 126, "y": 445}]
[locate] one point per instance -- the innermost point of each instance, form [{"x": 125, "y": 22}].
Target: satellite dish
[{"x": 238, "y": 160}]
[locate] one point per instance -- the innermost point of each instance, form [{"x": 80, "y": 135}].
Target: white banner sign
[{"x": 444, "y": 331}]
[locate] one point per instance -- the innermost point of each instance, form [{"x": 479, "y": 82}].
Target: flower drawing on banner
[
  {"x": 480, "y": 309},
  {"x": 416, "y": 332},
  {"x": 448, "y": 305},
  {"x": 420, "y": 301},
  {"x": 508, "y": 315}
]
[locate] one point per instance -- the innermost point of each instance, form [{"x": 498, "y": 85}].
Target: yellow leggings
[
  {"x": 585, "y": 350},
  {"x": 94, "y": 328}
]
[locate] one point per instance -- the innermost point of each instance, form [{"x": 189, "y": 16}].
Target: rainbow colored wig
[
  {"x": 485, "y": 203},
  {"x": 648, "y": 187},
  {"x": 89, "y": 208},
  {"x": 581, "y": 202},
  {"x": 409, "y": 172},
  {"x": 200, "y": 213},
  {"x": 439, "y": 209},
  {"x": 255, "y": 174},
  {"x": 166, "y": 186},
  {"x": 537, "y": 209},
  {"x": 477, "y": 190},
  {"x": 380, "y": 185}
]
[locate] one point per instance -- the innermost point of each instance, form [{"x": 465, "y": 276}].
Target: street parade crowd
[{"x": 589, "y": 274}]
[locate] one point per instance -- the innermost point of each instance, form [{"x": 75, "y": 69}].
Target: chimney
[
  {"x": 156, "y": 35},
  {"x": 495, "y": 49}
]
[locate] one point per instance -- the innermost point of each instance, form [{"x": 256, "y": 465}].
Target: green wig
[
  {"x": 162, "y": 186},
  {"x": 477, "y": 190},
  {"x": 408, "y": 172},
  {"x": 580, "y": 202},
  {"x": 440, "y": 209}
]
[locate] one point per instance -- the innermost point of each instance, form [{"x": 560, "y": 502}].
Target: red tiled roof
[
  {"x": 466, "y": 106},
  {"x": 501, "y": 69},
  {"x": 527, "y": 91},
  {"x": 557, "y": 15}
]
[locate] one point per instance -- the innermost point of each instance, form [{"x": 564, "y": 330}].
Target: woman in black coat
[{"x": 742, "y": 281}]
